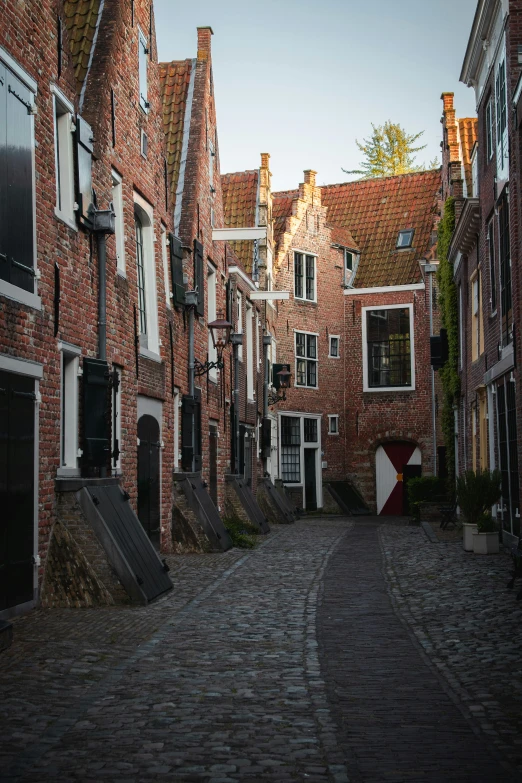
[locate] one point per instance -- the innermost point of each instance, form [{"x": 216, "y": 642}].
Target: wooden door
[
  {"x": 390, "y": 460},
  {"x": 213, "y": 465},
  {"x": 149, "y": 477}
]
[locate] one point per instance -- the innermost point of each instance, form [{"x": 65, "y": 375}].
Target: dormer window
[
  {"x": 348, "y": 260},
  {"x": 405, "y": 238}
]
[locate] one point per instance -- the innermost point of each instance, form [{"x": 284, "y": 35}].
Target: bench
[
  {"x": 448, "y": 516},
  {"x": 515, "y": 551}
]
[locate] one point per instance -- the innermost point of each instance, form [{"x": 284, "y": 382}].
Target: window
[
  {"x": 405, "y": 238},
  {"x": 348, "y": 260},
  {"x": 489, "y": 130},
  {"x": 387, "y": 347},
  {"x": 304, "y": 277},
  {"x": 506, "y": 305},
  {"x": 306, "y": 359},
  {"x": 211, "y": 316},
  {"x": 310, "y": 430},
  {"x": 64, "y": 157},
  {"x": 250, "y": 352},
  {"x": 146, "y": 278},
  {"x": 477, "y": 334},
  {"x": 501, "y": 117},
  {"x": 334, "y": 347},
  {"x": 165, "y": 260},
  {"x": 140, "y": 263},
  {"x": 143, "y": 52},
  {"x": 240, "y": 323},
  {"x": 483, "y": 429},
  {"x": 291, "y": 449},
  {"x": 474, "y": 172},
  {"x": 119, "y": 235},
  {"x": 69, "y": 409},
  {"x": 211, "y": 156},
  {"x": 492, "y": 274},
  {"x": 17, "y": 225},
  {"x": 333, "y": 424},
  {"x": 144, "y": 143}
]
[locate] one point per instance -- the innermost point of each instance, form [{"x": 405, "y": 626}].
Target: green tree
[{"x": 388, "y": 152}]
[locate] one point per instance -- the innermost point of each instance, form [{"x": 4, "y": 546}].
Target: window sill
[
  {"x": 305, "y": 301},
  {"x": 300, "y": 386},
  {"x": 63, "y": 218},
  {"x": 146, "y": 354},
  {"x": 121, "y": 273},
  {"x": 65, "y": 472},
  {"x": 388, "y": 389},
  {"x": 334, "y": 434},
  {"x": 334, "y": 357},
  {"x": 20, "y": 295}
]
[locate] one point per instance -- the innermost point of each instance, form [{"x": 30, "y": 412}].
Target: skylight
[{"x": 405, "y": 238}]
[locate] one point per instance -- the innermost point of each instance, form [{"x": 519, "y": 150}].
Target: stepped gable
[
  {"x": 240, "y": 197},
  {"x": 174, "y": 83},
  {"x": 81, "y": 19},
  {"x": 374, "y": 211},
  {"x": 281, "y": 210},
  {"x": 468, "y": 133}
]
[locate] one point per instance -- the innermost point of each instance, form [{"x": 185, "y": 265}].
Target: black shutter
[
  {"x": 16, "y": 182},
  {"x": 275, "y": 369},
  {"x": 187, "y": 415},
  {"x": 96, "y": 412},
  {"x": 197, "y": 429},
  {"x": 84, "y": 141},
  {"x": 176, "y": 270},
  {"x": 199, "y": 280},
  {"x": 266, "y": 434}
]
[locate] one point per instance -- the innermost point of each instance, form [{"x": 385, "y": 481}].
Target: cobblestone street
[{"x": 303, "y": 659}]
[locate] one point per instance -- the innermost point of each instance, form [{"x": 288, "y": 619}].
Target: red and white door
[{"x": 392, "y": 462}]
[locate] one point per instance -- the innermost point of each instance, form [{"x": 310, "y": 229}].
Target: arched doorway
[
  {"x": 395, "y": 463},
  {"x": 149, "y": 477}
]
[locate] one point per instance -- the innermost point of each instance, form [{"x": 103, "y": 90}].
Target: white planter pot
[
  {"x": 485, "y": 543},
  {"x": 468, "y": 530}
]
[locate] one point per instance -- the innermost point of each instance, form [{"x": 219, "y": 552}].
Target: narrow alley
[{"x": 334, "y": 651}]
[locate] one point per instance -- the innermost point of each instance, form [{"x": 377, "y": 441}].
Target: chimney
[
  {"x": 265, "y": 158},
  {"x": 309, "y": 177},
  {"x": 204, "y": 42},
  {"x": 447, "y": 99}
]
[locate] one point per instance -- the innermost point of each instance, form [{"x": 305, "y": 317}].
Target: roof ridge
[{"x": 380, "y": 179}]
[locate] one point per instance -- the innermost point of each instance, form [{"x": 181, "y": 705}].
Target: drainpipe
[
  {"x": 236, "y": 339},
  {"x": 267, "y": 340},
  {"x": 190, "y": 303},
  {"x": 430, "y": 269}
]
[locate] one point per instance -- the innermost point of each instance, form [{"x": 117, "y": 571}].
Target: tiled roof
[
  {"x": 375, "y": 210},
  {"x": 468, "y": 136},
  {"x": 239, "y": 209},
  {"x": 174, "y": 81},
  {"x": 342, "y": 236},
  {"x": 81, "y": 17}
]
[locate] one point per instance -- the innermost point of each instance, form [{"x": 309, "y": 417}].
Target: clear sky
[{"x": 302, "y": 79}]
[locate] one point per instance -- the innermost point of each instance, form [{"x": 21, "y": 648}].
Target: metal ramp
[
  {"x": 128, "y": 548},
  {"x": 248, "y": 501},
  {"x": 201, "y": 505},
  {"x": 348, "y": 498},
  {"x": 280, "y": 501}
]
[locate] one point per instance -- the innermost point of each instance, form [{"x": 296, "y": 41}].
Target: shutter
[
  {"x": 96, "y": 412},
  {"x": 84, "y": 141},
  {"x": 199, "y": 280},
  {"x": 17, "y": 188},
  {"x": 197, "y": 430},
  {"x": 275, "y": 369},
  {"x": 176, "y": 270},
  {"x": 266, "y": 434},
  {"x": 187, "y": 414},
  {"x": 4, "y": 235}
]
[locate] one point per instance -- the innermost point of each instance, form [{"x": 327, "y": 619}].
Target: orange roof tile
[
  {"x": 375, "y": 210},
  {"x": 239, "y": 207},
  {"x": 468, "y": 127},
  {"x": 174, "y": 82},
  {"x": 281, "y": 209},
  {"x": 342, "y": 236},
  {"x": 81, "y": 17}
]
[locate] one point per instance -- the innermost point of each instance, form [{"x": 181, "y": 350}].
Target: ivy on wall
[{"x": 449, "y": 374}]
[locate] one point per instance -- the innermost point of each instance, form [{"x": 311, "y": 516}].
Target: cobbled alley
[{"x": 337, "y": 650}]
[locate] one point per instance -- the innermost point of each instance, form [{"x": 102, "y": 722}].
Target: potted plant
[
  {"x": 485, "y": 540},
  {"x": 477, "y": 491}
]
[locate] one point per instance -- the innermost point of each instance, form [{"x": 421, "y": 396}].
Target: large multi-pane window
[
  {"x": 388, "y": 348},
  {"x": 489, "y": 130},
  {"x": 505, "y": 271},
  {"x": 501, "y": 117},
  {"x": 306, "y": 359},
  {"x": 140, "y": 263},
  {"x": 304, "y": 277},
  {"x": 291, "y": 449}
]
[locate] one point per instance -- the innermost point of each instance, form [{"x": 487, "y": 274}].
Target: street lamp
[
  {"x": 284, "y": 384},
  {"x": 220, "y": 331}
]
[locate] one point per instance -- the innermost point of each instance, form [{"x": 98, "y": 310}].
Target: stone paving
[{"x": 243, "y": 672}]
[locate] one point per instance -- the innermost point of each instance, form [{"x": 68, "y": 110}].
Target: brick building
[{"x": 481, "y": 170}]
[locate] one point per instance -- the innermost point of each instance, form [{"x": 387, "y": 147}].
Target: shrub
[
  {"x": 241, "y": 533},
  {"x": 477, "y": 491},
  {"x": 486, "y": 524},
  {"x": 423, "y": 489}
]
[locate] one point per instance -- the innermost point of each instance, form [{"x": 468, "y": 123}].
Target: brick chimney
[
  {"x": 204, "y": 42},
  {"x": 309, "y": 177},
  {"x": 447, "y": 99},
  {"x": 308, "y": 191}
]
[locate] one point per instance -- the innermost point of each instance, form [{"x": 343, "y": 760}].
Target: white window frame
[
  {"x": 490, "y": 147},
  {"x": 143, "y": 54},
  {"x": 239, "y": 304},
  {"x": 119, "y": 222},
  {"x": 116, "y": 422},
  {"x": 149, "y": 342},
  {"x": 249, "y": 314},
  {"x": 474, "y": 172},
  {"x": 475, "y": 317},
  {"x": 306, "y": 358},
  {"x": 333, "y": 417},
  {"x": 211, "y": 316},
  {"x": 69, "y": 413},
  {"x": 502, "y": 141},
  {"x": 402, "y": 232},
  {"x": 317, "y": 445},
  {"x": 10, "y": 291},
  {"x": 330, "y": 338},
  {"x": 366, "y": 386},
  {"x": 165, "y": 262},
  {"x": 64, "y": 128},
  {"x": 305, "y": 253}
]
